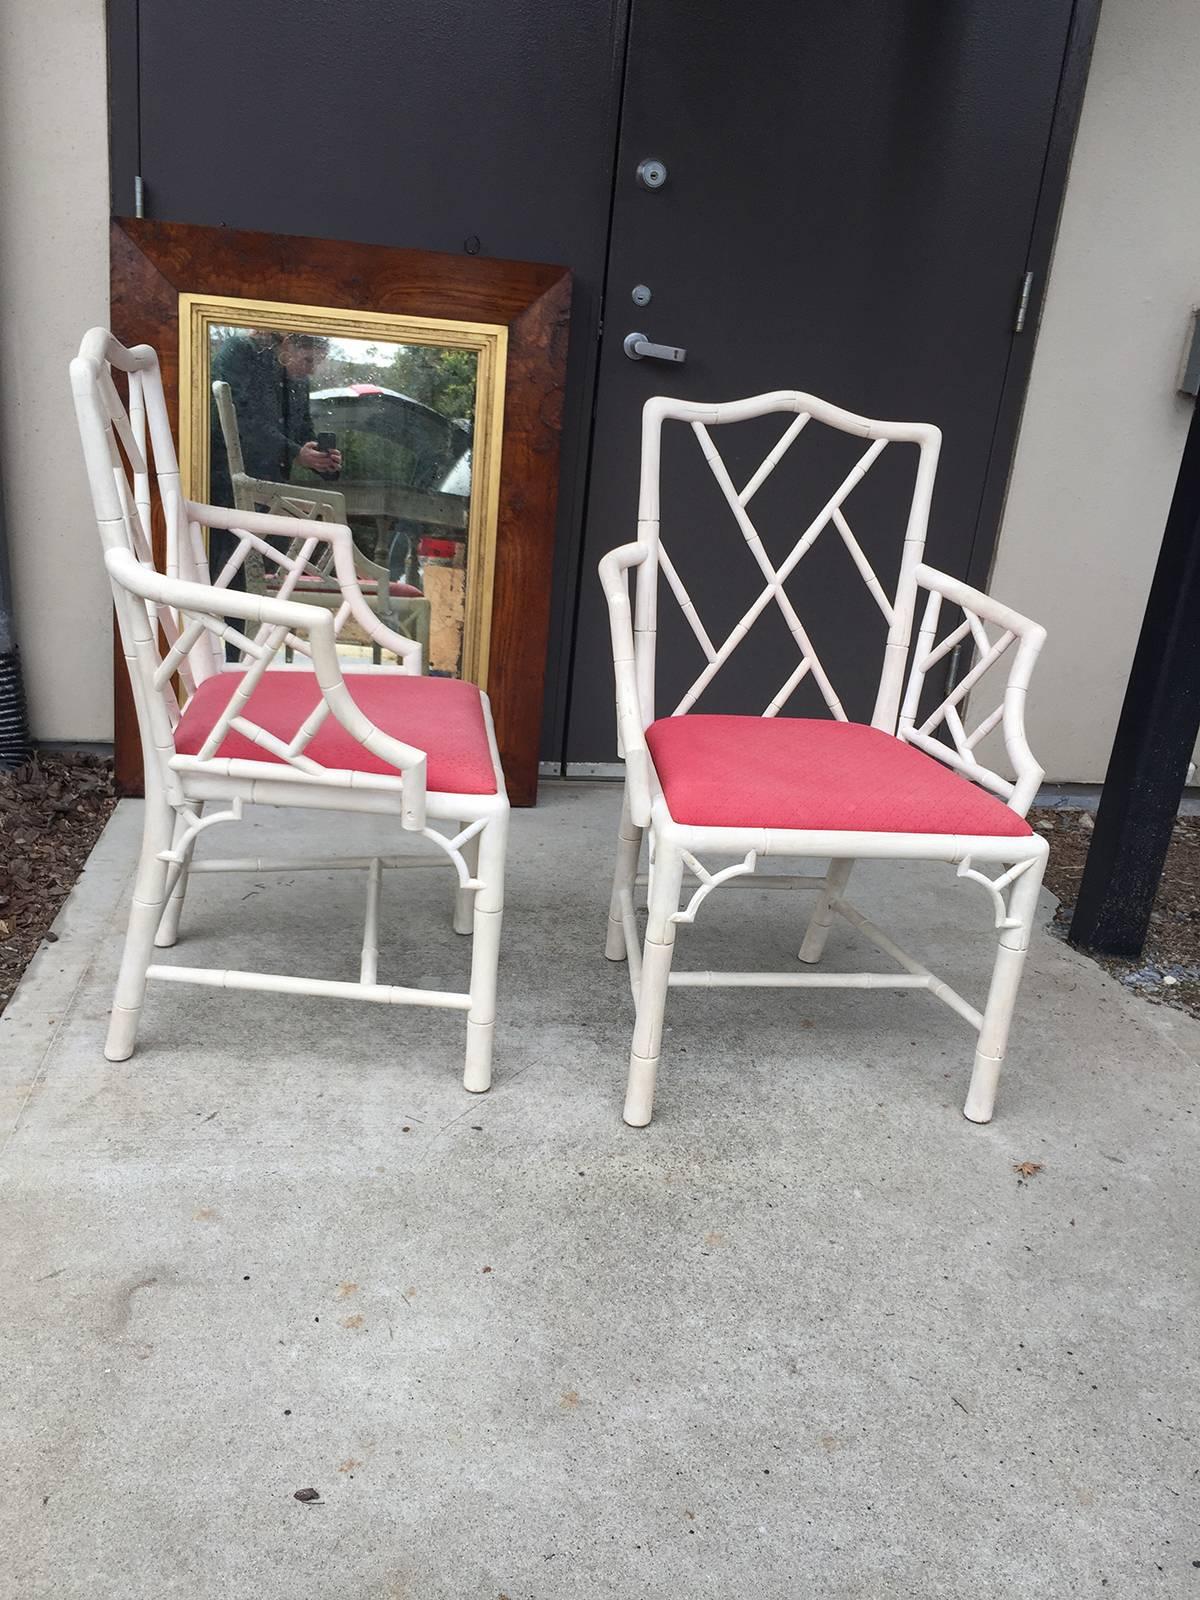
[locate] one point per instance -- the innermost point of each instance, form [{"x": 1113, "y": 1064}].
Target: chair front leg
[
  {"x": 168, "y": 928},
  {"x": 149, "y": 898},
  {"x": 485, "y": 954},
  {"x": 652, "y": 992},
  {"x": 1002, "y": 995},
  {"x": 836, "y": 879},
  {"x": 629, "y": 850}
]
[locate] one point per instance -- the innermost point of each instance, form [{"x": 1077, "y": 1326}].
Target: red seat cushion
[
  {"x": 441, "y": 716},
  {"x": 437, "y": 549},
  {"x": 803, "y": 772}
]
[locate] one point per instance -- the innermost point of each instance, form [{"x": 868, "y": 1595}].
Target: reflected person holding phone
[{"x": 268, "y": 376}]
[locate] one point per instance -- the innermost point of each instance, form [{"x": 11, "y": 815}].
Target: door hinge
[
  {"x": 1023, "y": 303},
  {"x": 139, "y": 196}
]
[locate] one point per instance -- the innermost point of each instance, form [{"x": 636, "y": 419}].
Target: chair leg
[
  {"x": 464, "y": 899},
  {"x": 629, "y": 850},
  {"x": 836, "y": 879},
  {"x": 149, "y": 896},
  {"x": 1002, "y": 996},
  {"x": 168, "y": 928},
  {"x": 485, "y": 954},
  {"x": 652, "y": 992}
]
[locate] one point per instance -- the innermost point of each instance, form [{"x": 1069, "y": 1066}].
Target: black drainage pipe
[{"x": 15, "y": 746}]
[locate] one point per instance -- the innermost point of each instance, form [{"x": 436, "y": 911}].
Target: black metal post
[
  {"x": 1156, "y": 735},
  {"x": 15, "y": 747}
]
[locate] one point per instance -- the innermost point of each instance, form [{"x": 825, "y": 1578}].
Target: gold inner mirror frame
[{"x": 202, "y": 318}]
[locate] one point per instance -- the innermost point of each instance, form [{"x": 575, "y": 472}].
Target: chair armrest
[
  {"x": 183, "y": 594},
  {"x": 1014, "y": 629},
  {"x": 631, "y": 724},
  {"x": 271, "y": 494},
  {"x": 202, "y": 606}
]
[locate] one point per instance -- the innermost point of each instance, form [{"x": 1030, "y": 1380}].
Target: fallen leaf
[
  {"x": 306, "y": 1494},
  {"x": 1027, "y": 1168}
]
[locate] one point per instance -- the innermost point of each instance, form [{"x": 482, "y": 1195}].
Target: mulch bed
[
  {"x": 52, "y": 811},
  {"x": 1168, "y": 971}
]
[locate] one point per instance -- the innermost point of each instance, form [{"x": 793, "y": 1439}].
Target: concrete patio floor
[{"x": 806, "y": 1335}]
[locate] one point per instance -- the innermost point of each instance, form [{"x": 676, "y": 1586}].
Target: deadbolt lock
[{"x": 651, "y": 173}]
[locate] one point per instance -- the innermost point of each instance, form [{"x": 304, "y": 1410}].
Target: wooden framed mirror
[
  {"x": 390, "y": 424},
  {"x": 414, "y": 396}
]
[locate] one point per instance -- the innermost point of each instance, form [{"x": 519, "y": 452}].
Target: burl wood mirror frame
[{"x": 153, "y": 263}]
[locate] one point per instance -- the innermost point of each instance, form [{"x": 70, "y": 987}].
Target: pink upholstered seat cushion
[
  {"x": 801, "y": 772},
  {"x": 441, "y": 716}
]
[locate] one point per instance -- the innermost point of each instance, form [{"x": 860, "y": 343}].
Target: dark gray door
[
  {"x": 848, "y": 209},
  {"x": 489, "y": 127}
]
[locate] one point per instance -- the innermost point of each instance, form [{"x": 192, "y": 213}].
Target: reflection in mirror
[
  {"x": 381, "y": 435},
  {"x": 397, "y": 438}
]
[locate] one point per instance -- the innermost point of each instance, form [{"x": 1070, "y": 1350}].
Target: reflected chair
[
  {"x": 322, "y": 734},
  {"x": 402, "y": 606},
  {"x": 718, "y": 795}
]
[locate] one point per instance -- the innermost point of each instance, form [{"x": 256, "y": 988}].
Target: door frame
[{"x": 1068, "y": 107}]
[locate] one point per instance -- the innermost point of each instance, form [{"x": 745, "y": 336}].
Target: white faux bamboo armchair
[
  {"x": 763, "y": 785},
  {"x": 321, "y": 734}
]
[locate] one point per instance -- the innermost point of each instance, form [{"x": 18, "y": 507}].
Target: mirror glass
[{"x": 397, "y": 437}]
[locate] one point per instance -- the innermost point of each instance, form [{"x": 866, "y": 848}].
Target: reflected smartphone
[{"x": 328, "y": 441}]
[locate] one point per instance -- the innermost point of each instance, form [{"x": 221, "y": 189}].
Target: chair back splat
[{"x": 896, "y": 609}]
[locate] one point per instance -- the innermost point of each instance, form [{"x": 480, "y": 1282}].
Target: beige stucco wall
[
  {"x": 53, "y": 285},
  {"x": 1103, "y": 428}
]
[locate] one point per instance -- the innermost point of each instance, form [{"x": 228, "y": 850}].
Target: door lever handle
[{"x": 639, "y": 348}]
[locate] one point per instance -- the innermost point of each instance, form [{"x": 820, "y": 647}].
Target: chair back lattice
[
  {"x": 896, "y": 610},
  {"x": 118, "y": 461}
]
